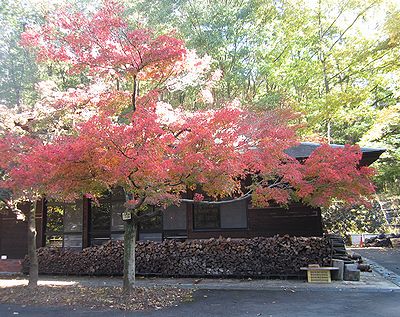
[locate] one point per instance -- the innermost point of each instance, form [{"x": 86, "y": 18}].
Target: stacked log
[
  {"x": 257, "y": 257},
  {"x": 97, "y": 260},
  {"x": 383, "y": 240}
]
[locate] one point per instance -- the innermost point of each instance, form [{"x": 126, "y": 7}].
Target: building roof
[{"x": 304, "y": 150}]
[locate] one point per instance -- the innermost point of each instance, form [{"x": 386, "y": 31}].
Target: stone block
[
  {"x": 351, "y": 272},
  {"x": 337, "y": 274}
]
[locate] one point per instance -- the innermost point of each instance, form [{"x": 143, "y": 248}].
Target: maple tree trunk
[
  {"x": 134, "y": 91},
  {"x": 129, "y": 255},
  {"x": 34, "y": 266}
]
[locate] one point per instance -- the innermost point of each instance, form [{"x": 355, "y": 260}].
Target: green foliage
[
  {"x": 18, "y": 71},
  {"x": 55, "y": 218},
  {"x": 326, "y": 60},
  {"x": 342, "y": 220},
  {"x": 386, "y": 133}
]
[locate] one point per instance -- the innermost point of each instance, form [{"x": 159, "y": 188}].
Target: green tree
[
  {"x": 18, "y": 71},
  {"x": 358, "y": 219},
  {"x": 385, "y": 133}
]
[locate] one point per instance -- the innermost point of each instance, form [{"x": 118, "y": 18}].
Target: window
[
  {"x": 206, "y": 217},
  {"x": 73, "y": 217},
  {"x": 117, "y": 208},
  {"x": 105, "y": 218},
  {"x": 100, "y": 224},
  {"x": 64, "y": 224},
  {"x": 174, "y": 217},
  {"x": 151, "y": 224},
  {"x": 234, "y": 215},
  {"x": 150, "y": 228},
  {"x": 224, "y": 216},
  {"x": 55, "y": 225}
]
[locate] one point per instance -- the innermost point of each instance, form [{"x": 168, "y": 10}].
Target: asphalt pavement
[
  {"x": 387, "y": 257},
  {"x": 232, "y": 303},
  {"x": 384, "y": 261}
]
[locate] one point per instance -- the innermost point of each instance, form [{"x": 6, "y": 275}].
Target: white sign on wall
[{"x": 126, "y": 215}]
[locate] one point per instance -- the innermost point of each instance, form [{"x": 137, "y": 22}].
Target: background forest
[{"x": 335, "y": 62}]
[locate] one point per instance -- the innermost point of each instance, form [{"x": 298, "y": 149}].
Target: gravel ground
[{"x": 74, "y": 296}]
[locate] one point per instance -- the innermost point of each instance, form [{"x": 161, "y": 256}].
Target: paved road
[
  {"x": 387, "y": 257},
  {"x": 231, "y": 303}
]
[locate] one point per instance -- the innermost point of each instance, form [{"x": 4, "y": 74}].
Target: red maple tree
[{"x": 156, "y": 160}]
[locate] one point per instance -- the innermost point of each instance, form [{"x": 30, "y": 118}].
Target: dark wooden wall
[
  {"x": 298, "y": 220},
  {"x": 13, "y": 237},
  {"x": 13, "y": 232}
]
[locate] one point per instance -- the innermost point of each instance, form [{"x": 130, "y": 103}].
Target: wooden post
[
  {"x": 189, "y": 219},
  {"x": 86, "y": 223},
  {"x": 41, "y": 222}
]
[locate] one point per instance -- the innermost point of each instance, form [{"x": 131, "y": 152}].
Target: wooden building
[{"x": 83, "y": 223}]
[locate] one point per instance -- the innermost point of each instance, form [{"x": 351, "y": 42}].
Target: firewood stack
[
  {"x": 257, "y": 257},
  {"x": 384, "y": 240}
]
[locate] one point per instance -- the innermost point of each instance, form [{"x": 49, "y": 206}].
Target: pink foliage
[
  {"x": 14, "y": 152},
  {"x": 105, "y": 43},
  {"x": 334, "y": 172},
  {"x": 217, "y": 150},
  {"x": 198, "y": 197}
]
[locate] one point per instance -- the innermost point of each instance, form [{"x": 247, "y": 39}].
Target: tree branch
[
  {"x": 222, "y": 202},
  {"x": 350, "y": 25}
]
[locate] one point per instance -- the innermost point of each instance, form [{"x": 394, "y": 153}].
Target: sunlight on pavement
[{"x": 10, "y": 283}]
